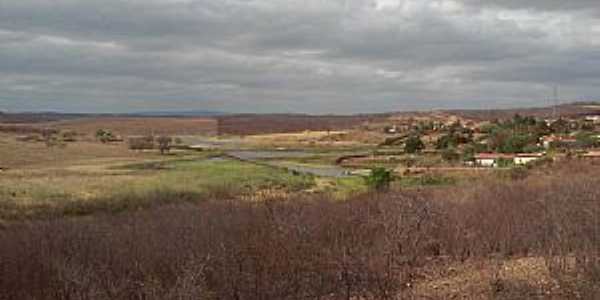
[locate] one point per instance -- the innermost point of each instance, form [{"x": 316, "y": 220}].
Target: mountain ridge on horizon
[{"x": 211, "y": 113}]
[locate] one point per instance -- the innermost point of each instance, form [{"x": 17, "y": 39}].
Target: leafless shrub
[
  {"x": 371, "y": 247},
  {"x": 141, "y": 143},
  {"x": 164, "y": 143}
]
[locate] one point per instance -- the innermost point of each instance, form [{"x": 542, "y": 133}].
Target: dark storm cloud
[{"x": 310, "y": 55}]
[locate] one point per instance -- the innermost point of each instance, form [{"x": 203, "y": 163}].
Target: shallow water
[{"x": 262, "y": 156}]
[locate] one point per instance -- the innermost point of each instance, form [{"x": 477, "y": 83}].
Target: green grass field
[
  {"x": 87, "y": 177},
  {"x": 111, "y": 187}
]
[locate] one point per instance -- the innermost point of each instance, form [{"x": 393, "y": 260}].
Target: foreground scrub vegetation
[{"x": 535, "y": 238}]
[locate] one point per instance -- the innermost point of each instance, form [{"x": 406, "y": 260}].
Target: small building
[
  {"x": 593, "y": 118},
  {"x": 391, "y": 129},
  {"x": 592, "y": 155},
  {"x": 491, "y": 160},
  {"x": 525, "y": 158},
  {"x": 201, "y": 147}
]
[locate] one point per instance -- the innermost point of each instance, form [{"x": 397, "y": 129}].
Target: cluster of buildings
[
  {"x": 493, "y": 160},
  {"x": 564, "y": 137}
]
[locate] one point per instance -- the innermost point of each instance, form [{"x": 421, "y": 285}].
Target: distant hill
[
  {"x": 244, "y": 124},
  {"x": 181, "y": 113},
  {"x": 43, "y": 117},
  {"x": 37, "y": 117},
  {"x": 565, "y": 110}
]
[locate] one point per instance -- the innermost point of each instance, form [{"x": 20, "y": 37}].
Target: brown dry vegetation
[
  {"x": 17, "y": 154},
  {"x": 20, "y": 129},
  {"x": 140, "y": 125},
  {"x": 35, "y": 117},
  {"x": 265, "y": 124},
  {"x": 535, "y": 238}
]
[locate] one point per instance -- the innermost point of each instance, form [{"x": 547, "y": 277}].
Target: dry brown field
[
  {"x": 265, "y": 124},
  {"x": 139, "y": 125},
  {"x": 16, "y": 154}
]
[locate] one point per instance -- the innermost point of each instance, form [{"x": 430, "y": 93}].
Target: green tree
[
  {"x": 489, "y": 128},
  {"x": 413, "y": 144},
  {"x": 446, "y": 141},
  {"x": 532, "y": 148},
  {"x": 586, "y": 140},
  {"x": 104, "y": 135},
  {"x": 379, "y": 179},
  {"x": 514, "y": 144},
  {"x": 541, "y": 128},
  {"x": 560, "y": 126},
  {"x": 450, "y": 154},
  {"x": 497, "y": 139}
]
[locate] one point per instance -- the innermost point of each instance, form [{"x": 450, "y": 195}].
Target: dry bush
[
  {"x": 574, "y": 239},
  {"x": 267, "y": 124},
  {"x": 274, "y": 250},
  {"x": 164, "y": 143},
  {"x": 371, "y": 247},
  {"x": 138, "y": 126},
  {"x": 141, "y": 143},
  {"x": 20, "y": 129}
]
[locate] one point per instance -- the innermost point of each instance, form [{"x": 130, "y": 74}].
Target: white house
[
  {"x": 593, "y": 155},
  {"x": 491, "y": 159},
  {"x": 525, "y": 158},
  {"x": 593, "y": 118},
  {"x": 391, "y": 130}
]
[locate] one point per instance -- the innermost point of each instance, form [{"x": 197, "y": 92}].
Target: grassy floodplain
[
  {"x": 83, "y": 178},
  {"x": 85, "y": 189}
]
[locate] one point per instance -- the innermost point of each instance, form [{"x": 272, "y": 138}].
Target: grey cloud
[
  {"x": 309, "y": 56},
  {"x": 541, "y": 5}
]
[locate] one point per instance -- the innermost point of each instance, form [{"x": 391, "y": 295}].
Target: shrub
[
  {"x": 450, "y": 155},
  {"x": 532, "y": 149},
  {"x": 374, "y": 246},
  {"x": 379, "y": 179},
  {"x": 413, "y": 144},
  {"x": 505, "y": 162},
  {"x": 51, "y": 138},
  {"x": 68, "y": 136},
  {"x": 104, "y": 135},
  {"x": 228, "y": 250},
  {"x": 164, "y": 143},
  {"x": 586, "y": 140},
  {"x": 141, "y": 143}
]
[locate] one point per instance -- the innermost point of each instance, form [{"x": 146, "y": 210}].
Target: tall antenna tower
[{"x": 555, "y": 106}]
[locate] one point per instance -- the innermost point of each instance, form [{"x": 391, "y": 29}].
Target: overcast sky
[{"x": 313, "y": 56}]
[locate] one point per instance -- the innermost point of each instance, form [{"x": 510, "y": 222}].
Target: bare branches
[{"x": 372, "y": 247}]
